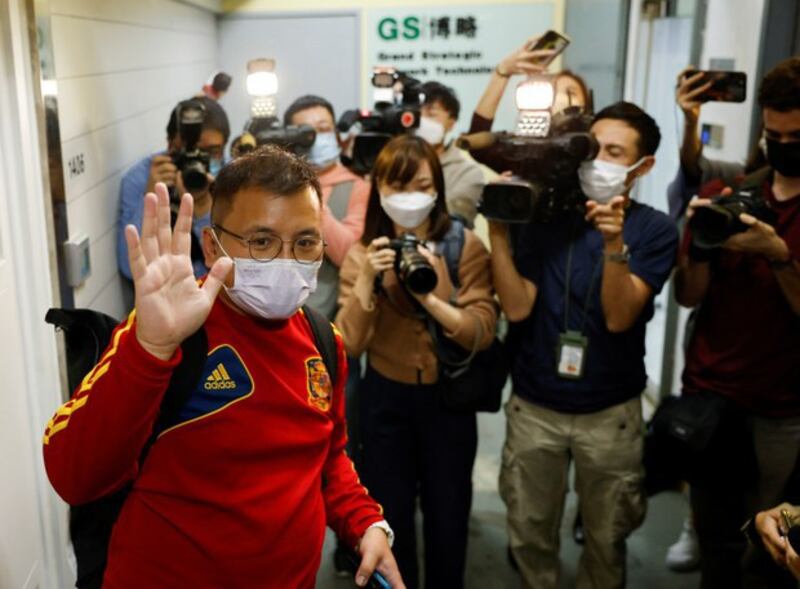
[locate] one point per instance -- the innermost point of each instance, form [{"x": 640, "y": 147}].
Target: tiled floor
[{"x": 487, "y": 565}]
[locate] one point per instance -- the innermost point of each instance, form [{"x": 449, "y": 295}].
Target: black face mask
[{"x": 784, "y": 157}]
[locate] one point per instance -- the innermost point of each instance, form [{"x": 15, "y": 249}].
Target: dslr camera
[
  {"x": 191, "y": 161},
  {"x": 398, "y": 99},
  {"x": 544, "y": 154},
  {"x": 712, "y": 225},
  {"x": 411, "y": 267}
]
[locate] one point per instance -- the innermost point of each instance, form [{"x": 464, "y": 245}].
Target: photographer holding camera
[
  {"x": 394, "y": 293},
  {"x": 583, "y": 286},
  {"x": 463, "y": 178},
  {"x": 344, "y": 195},
  {"x": 142, "y": 177},
  {"x": 739, "y": 265}
]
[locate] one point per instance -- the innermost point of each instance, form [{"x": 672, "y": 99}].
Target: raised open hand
[{"x": 170, "y": 305}]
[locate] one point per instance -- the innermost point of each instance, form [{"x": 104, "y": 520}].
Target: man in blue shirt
[
  {"x": 584, "y": 287},
  {"x": 142, "y": 177}
]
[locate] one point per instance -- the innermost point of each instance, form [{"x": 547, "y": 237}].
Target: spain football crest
[{"x": 320, "y": 387}]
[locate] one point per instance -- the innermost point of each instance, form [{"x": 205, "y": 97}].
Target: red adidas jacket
[{"x": 231, "y": 496}]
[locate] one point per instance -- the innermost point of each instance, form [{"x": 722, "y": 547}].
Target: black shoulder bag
[{"x": 473, "y": 381}]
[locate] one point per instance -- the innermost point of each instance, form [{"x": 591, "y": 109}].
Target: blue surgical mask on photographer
[
  {"x": 408, "y": 209},
  {"x": 431, "y": 130},
  {"x": 601, "y": 181},
  {"x": 214, "y": 166},
  {"x": 271, "y": 290},
  {"x": 324, "y": 151}
]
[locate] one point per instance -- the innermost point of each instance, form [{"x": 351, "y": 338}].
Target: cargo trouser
[{"x": 606, "y": 448}]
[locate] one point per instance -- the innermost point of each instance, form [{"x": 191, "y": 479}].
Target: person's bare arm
[
  {"x": 517, "y": 294},
  {"x": 520, "y": 61},
  {"x": 623, "y": 294},
  {"x": 693, "y": 274},
  {"x": 761, "y": 238},
  {"x": 686, "y": 96}
]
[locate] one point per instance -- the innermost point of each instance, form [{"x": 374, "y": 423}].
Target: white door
[{"x": 20, "y": 534}]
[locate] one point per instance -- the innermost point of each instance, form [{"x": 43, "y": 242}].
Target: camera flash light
[
  {"x": 535, "y": 94},
  {"x": 261, "y": 78},
  {"x": 535, "y": 98}
]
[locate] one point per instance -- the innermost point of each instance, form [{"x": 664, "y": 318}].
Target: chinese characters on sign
[{"x": 456, "y": 45}]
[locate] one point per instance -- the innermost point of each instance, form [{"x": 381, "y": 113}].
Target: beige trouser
[{"x": 607, "y": 449}]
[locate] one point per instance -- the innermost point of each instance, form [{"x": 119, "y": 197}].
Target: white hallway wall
[{"x": 121, "y": 66}]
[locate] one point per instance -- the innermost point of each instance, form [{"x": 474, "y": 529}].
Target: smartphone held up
[
  {"x": 724, "y": 86},
  {"x": 550, "y": 41}
]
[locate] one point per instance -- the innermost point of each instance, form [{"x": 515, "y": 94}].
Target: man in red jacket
[{"x": 238, "y": 491}]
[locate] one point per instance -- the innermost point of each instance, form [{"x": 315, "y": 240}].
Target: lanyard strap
[{"x": 568, "y": 280}]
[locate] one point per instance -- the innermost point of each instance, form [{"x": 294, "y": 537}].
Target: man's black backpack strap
[
  {"x": 325, "y": 340},
  {"x": 184, "y": 378}
]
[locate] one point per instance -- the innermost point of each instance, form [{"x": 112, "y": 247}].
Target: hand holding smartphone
[
  {"x": 551, "y": 41},
  {"x": 722, "y": 86}
]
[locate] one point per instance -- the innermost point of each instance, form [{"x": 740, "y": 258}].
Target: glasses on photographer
[{"x": 265, "y": 247}]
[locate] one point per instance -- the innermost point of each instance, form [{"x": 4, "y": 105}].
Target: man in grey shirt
[{"x": 463, "y": 178}]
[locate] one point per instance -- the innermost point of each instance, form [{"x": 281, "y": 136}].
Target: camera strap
[
  {"x": 572, "y": 345},
  {"x": 568, "y": 281}
]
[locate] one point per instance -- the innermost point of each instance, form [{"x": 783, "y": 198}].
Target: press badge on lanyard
[
  {"x": 572, "y": 344},
  {"x": 571, "y": 354}
]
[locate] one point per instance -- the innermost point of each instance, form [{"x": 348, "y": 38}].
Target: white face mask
[
  {"x": 408, "y": 209},
  {"x": 431, "y": 130},
  {"x": 324, "y": 151},
  {"x": 271, "y": 290},
  {"x": 601, "y": 181}
]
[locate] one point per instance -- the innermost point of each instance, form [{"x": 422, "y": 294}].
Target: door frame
[{"x": 32, "y": 253}]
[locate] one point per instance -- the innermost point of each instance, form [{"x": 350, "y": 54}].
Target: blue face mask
[
  {"x": 214, "y": 166},
  {"x": 325, "y": 150}
]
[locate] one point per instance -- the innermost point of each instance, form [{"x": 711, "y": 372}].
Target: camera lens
[
  {"x": 412, "y": 268},
  {"x": 418, "y": 275},
  {"x": 712, "y": 225},
  {"x": 194, "y": 176}
]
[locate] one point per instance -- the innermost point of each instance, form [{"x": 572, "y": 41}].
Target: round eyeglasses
[{"x": 265, "y": 247}]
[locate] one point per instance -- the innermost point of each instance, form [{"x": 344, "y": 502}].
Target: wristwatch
[
  {"x": 620, "y": 257},
  {"x": 384, "y": 525}
]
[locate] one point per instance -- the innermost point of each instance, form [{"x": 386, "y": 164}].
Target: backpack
[{"x": 87, "y": 334}]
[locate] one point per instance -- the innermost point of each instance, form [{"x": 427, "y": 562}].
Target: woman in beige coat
[{"x": 412, "y": 445}]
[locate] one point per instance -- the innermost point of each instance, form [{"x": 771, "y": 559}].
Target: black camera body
[
  {"x": 412, "y": 268},
  {"x": 712, "y": 225},
  {"x": 386, "y": 120},
  {"x": 192, "y": 162},
  {"x": 545, "y": 168},
  {"x": 194, "y": 166},
  {"x": 268, "y": 131}
]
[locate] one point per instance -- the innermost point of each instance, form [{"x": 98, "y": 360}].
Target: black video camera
[
  {"x": 398, "y": 100},
  {"x": 268, "y": 131},
  {"x": 545, "y": 168},
  {"x": 712, "y": 225},
  {"x": 411, "y": 267},
  {"x": 191, "y": 161}
]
